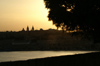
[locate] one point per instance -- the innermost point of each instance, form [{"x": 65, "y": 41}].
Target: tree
[{"x": 82, "y": 13}]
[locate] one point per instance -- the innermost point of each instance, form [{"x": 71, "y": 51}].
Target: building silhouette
[
  {"x": 27, "y": 28},
  {"x": 23, "y": 29},
  {"x": 32, "y": 28}
]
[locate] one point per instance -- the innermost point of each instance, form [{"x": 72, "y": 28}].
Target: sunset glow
[{"x": 18, "y": 14}]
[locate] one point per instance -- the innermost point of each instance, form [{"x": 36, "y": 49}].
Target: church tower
[
  {"x": 32, "y": 28},
  {"x": 27, "y": 28}
]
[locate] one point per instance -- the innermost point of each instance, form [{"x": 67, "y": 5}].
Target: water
[{"x": 25, "y": 55}]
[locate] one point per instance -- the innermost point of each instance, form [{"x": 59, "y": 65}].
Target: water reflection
[{"x": 25, "y": 55}]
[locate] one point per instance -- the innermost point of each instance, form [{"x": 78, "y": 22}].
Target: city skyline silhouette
[{"x": 18, "y": 14}]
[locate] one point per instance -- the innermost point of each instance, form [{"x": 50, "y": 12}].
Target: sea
[{"x": 26, "y": 55}]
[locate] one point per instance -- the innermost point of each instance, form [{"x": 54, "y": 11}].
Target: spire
[
  {"x": 27, "y": 28},
  {"x": 32, "y": 28}
]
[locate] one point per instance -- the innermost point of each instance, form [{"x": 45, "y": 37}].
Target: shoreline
[
  {"x": 46, "y": 50},
  {"x": 87, "y": 59}
]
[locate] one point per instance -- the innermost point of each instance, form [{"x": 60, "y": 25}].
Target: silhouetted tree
[{"x": 82, "y": 13}]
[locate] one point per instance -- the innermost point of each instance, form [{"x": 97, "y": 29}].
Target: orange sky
[{"x": 18, "y": 14}]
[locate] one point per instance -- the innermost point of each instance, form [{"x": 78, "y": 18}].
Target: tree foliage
[{"x": 72, "y": 13}]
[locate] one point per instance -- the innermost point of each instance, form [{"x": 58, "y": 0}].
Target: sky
[{"x": 18, "y": 14}]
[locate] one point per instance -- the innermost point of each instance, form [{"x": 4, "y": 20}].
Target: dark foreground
[{"x": 89, "y": 59}]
